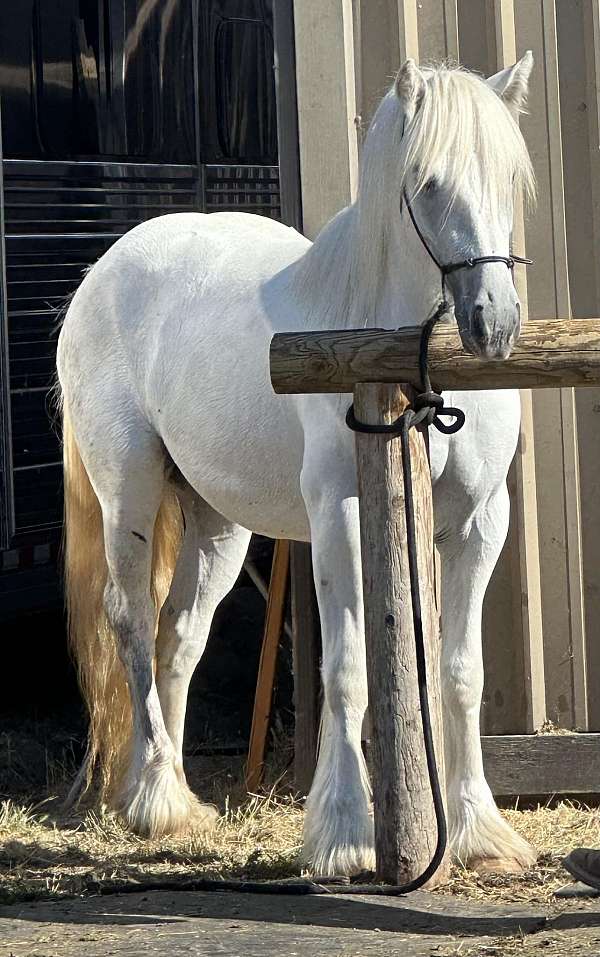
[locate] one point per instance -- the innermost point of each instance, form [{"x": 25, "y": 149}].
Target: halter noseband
[{"x": 446, "y": 268}]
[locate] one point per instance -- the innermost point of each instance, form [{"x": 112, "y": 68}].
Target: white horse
[{"x": 163, "y": 362}]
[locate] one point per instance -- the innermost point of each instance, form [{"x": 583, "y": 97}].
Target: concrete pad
[{"x": 237, "y": 925}]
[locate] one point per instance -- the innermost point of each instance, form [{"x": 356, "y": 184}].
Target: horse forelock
[{"x": 461, "y": 125}]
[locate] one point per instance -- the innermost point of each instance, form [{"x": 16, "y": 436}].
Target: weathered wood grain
[
  {"x": 542, "y": 763},
  {"x": 405, "y": 826},
  {"x": 549, "y": 353}
]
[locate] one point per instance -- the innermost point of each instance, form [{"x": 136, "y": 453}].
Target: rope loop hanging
[{"x": 428, "y": 406}]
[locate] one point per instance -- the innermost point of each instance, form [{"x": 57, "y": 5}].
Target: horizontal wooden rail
[
  {"x": 549, "y": 353},
  {"x": 542, "y": 763}
]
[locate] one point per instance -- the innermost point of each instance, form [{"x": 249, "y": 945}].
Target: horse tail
[{"x": 92, "y": 640}]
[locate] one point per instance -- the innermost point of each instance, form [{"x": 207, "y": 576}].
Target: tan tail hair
[{"x": 92, "y": 641}]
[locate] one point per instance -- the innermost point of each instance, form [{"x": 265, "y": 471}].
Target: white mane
[{"x": 461, "y": 122}]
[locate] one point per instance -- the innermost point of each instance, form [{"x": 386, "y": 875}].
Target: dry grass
[
  {"x": 554, "y": 831},
  {"x": 44, "y": 853},
  {"x": 48, "y": 856}
]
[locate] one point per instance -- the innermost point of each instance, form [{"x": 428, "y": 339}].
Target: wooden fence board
[
  {"x": 328, "y": 140},
  {"x": 542, "y": 764},
  {"x": 306, "y": 649},
  {"x": 579, "y": 67},
  {"x": 554, "y": 418},
  {"x": 549, "y": 352}
]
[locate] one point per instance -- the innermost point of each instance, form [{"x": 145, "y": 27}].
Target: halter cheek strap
[{"x": 446, "y": 268}]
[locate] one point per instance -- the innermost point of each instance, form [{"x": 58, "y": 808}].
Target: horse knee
[{"x": 462, "y": 684}]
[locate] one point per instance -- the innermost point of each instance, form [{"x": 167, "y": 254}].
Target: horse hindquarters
[{"x": 120, "y": 552}]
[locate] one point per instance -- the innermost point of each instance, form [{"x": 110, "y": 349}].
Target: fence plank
[
  {"x": 328, "y": 140},
  {"x": 588, "y": 408},
  {"x": 274, "y": 619},
  {"x": 306, "y": 650},
  {"x": 512, "y": 638},
  {"x": 476, "y": 40},
  {"x": 572, "y": 503},
  {"x": 554, "y": 414},
  {"x": 408, "y": 29},
  {"x": 526, "y": 572},
  {"x": 549, "y": 352},
  {"x": 328, "y": 146},
  {"x": 379, "y": 42},
  {"x": 579, "y": 31},
  {"x": 451, "y": 29},
  {"x": 542, "y": 764}
]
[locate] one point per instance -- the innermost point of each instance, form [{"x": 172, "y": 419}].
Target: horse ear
[
  {"x": 512, "y": 84},
  {"x": 409, "y": 87}
]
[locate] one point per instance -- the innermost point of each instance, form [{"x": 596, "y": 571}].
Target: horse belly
[{"x": 247, "y": 468}]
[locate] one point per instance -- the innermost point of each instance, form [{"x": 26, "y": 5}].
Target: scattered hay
[
  {"x": 554, "y": 831},
  {"x": 48, "y": 854},
  {"x": 44, "y": 855}
]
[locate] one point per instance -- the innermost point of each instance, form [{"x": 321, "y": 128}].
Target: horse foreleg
[
  {"x": 211, "y": 557},
  {"x": 338, "y": 830},
  {"x": 479, "y": 835}
]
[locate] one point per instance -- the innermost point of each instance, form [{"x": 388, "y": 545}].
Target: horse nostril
[{"x": 477, "y": 322}]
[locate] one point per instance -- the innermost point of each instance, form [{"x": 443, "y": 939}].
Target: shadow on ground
[{"x": 418, "y": 914}]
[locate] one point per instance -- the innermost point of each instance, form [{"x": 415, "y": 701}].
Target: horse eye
[{"x": 431, "y": 185}]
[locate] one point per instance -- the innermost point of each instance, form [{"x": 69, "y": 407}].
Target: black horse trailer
[{"x": 115, "y": 111}]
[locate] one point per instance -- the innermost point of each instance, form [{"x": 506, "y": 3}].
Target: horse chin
[{"x": 490, "y": 350}]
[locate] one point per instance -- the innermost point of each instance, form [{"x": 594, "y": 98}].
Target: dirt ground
[
  {"x": 180, "y": 924},
  {"x": 76, "y": 884}
]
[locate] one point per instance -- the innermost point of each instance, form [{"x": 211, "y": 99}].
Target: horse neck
[{"x": 340, "y": 285}]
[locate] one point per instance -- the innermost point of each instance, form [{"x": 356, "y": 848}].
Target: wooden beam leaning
[
  {"x": 549, "y": 353},
  {"x": 274, "y": 621},
  {"x": 306, "y": 654},
  {"x": 405, "y": 825}
]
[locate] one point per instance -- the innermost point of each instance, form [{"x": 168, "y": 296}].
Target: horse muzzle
[{"x": 488, "y": 332}]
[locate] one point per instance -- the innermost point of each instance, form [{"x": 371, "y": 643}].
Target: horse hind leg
[
  {"x": 210, "y": 560},
  {"x": 126, "y": 478},
  {"x": 153, "y": 796}
]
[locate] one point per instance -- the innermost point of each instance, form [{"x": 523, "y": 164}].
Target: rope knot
[{"x": 428, "y": 406}]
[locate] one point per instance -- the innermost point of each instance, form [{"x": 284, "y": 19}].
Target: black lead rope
[{"x": 425, "y": 410}]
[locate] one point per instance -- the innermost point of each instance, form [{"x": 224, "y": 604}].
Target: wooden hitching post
[{"x": 405, "y": 825}]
